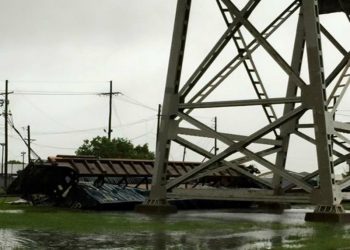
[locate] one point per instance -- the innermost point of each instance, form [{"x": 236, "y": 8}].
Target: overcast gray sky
[{"x": 79, "y": 45}]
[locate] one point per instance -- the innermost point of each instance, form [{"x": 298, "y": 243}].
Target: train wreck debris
[
  {"x": 38, "y": 180},
  {"x": 120, "y": 184}
]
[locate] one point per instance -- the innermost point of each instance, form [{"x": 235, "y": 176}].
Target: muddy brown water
[{"x": 204, "y": 238}]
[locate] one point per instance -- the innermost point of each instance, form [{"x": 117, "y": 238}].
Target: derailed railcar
[
  {"x": 39, "y": 179},
  {"x": 120, "y": 184}
]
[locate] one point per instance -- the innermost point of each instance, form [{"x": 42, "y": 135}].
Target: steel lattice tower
[{"x": 321, "y": 96}]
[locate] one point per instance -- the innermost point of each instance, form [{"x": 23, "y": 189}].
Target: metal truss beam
[
  {"x": 215, "y": 82},
  {"x": 264, "y": 43},
  {"x": 249, "y": 66},
  {"x": 225, "y": 165},
  {"x": 344, "y": 183},
  {"x": 158, "y": 191},
  {"x": 342, "y": 127},
  {"x": 341, "y": 158},
  {"x": 328, "y": 193},
  {"x": 288, "y": 128},
  {"x": 301, "y": 96},
  {"x": 334, "y": 41},
  {"x": 219, "y": 46},
  {"x": 338, "y": 69},
  {"x": 234, "y": 147},
  {"x": 239, "y": 195},
  {"x": 241, "y": 103},
  {"x": 200, "y": 133}
]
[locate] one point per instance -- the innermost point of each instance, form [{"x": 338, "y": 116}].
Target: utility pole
[
  {"x": 2, "y": 157},
  {"x": 110, "y": 110},
  {"x": 29, "y": 140},
  {"x": 215, "y": 140},
  {"x": 110, "y": 94},
  {"x": 23, "y": 154},
  {"x": 6, "y": 133}
]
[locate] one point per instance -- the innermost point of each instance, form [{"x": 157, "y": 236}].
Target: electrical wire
[
  {"x": 67, "y": 132},
  {"x": 57, "y": 81},
  {"x": 140, "y": 136},
  {"x": 33, "y": 143},
  {"x": 136, "y": 102},
  {"x": 53, "y": 147},
  {"x": 124, "y": 98},
  {"x": 46, "y": 114},
  {"x": 55, "y": 93},
  {"x": 115, "y": 111},
  {"x": 11, "y": 123},
  {"x": 92, "y": 129},
  {"x": 137, "y": 122}
]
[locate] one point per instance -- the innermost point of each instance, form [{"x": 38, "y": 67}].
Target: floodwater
[{"x": 205, "y": 238}]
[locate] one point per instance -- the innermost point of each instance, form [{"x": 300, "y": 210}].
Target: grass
[
  {"x": 67, "y": 220},
  {"x": 324, "y": 236}
]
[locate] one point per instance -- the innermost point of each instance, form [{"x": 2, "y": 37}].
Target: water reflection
[
  {"x": 12, "y": 211},
  {"x": 290, "y": 216},
  {"x": 267, "y": 239},
  {"x": 28, "y": 239},
  {"x": 158, "y": 240},
  {"x": 293, "y": 233},
  {"x": 9, "y": 239}
]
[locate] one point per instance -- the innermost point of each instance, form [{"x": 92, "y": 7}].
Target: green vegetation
[
  {"x": 67, "y": 220},
  {"x": 325, "y": 236},
  {"x": 14, "y": 162},
  {"x": 115, "y": 148},
  {"x": 78, "y": 221},
  {"x": 320, "y": 236}
]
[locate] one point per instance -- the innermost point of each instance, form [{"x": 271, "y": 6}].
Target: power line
[
  {"x": 47, "y": 115},
  {"x": 126, "y": 98},
  {"x": 55, "y": 93},
  {"x": 140, "y": 136},
  {"x": 10, "y": 120},
  {"x": 92, "y": 129},
  {"x": 39, "y": 145},
  {"x": 53, "y": 147},
  {"x": 58, "y": 81},
  {"x": 137, "y": 122},
  {"x": 68, "y": 132},
  {"x": 115, "y": 111},
  {"x": 136, "y": 102}
]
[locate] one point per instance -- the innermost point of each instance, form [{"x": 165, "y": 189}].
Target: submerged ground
[{"x": 25, "y": 227}]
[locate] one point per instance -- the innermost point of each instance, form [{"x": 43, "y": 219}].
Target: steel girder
[{"x": 300, "y": 97}]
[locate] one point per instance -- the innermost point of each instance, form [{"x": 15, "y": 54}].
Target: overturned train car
[{"x": 119, "y": 184}]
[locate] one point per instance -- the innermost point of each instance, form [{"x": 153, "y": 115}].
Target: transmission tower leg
[
  {"x": 288, "y": 128},
  {"x": 157, "y": 201},
  {"x": 328, "y": 196}
]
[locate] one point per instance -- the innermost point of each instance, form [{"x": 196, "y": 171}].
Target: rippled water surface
[
  {"x": 204, "y": 238},
  {"x": 173, "y": 240}
]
